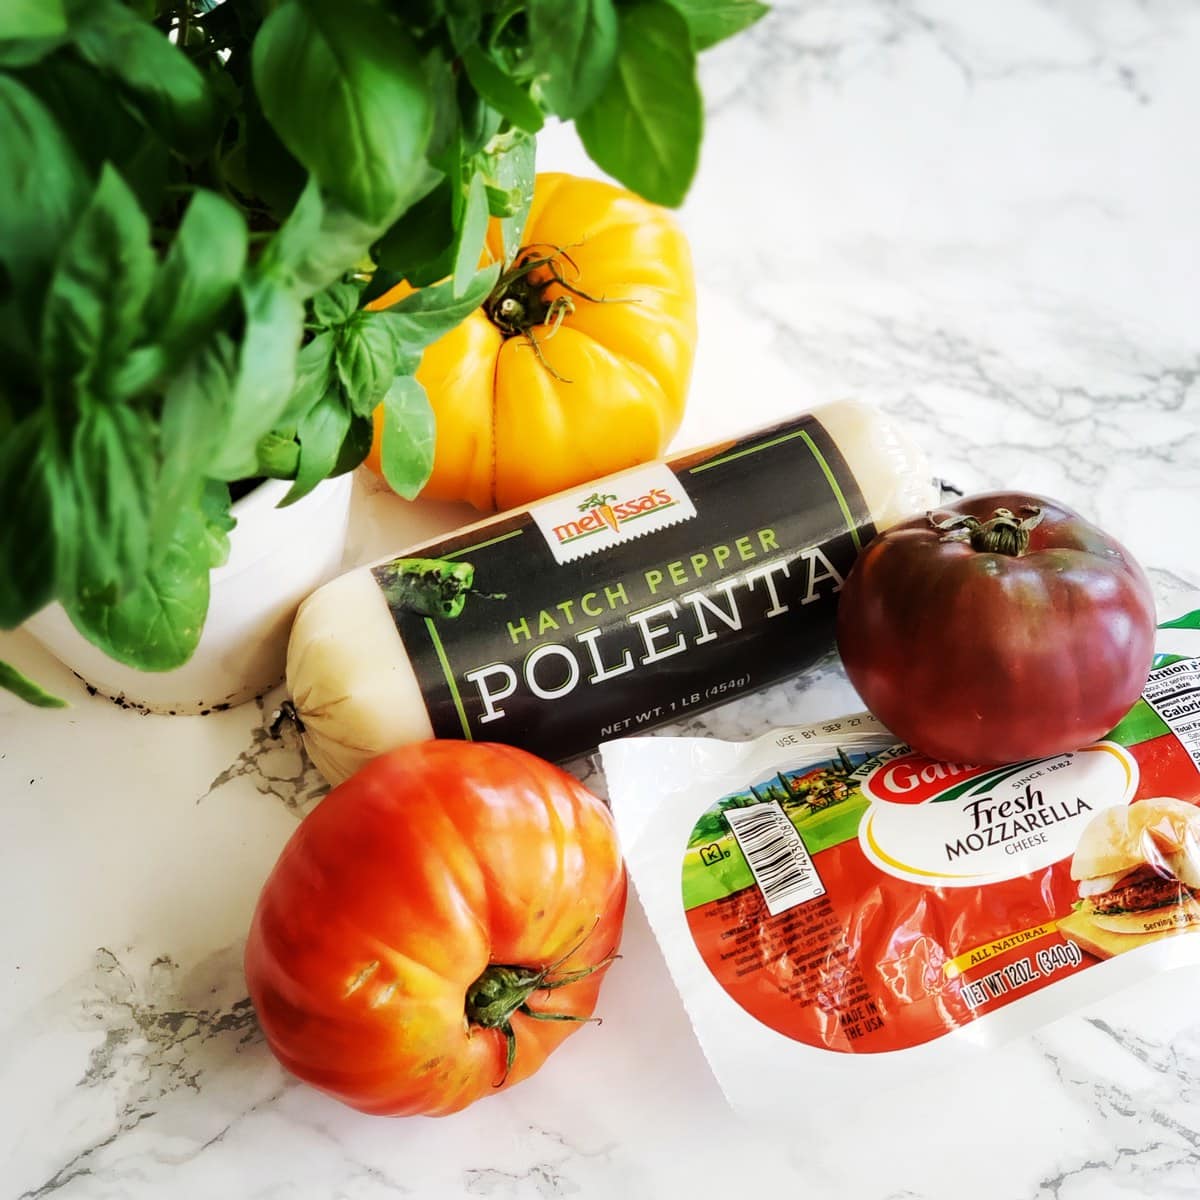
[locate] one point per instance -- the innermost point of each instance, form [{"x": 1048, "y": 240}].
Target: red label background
[{"x": 867, "y": 959}]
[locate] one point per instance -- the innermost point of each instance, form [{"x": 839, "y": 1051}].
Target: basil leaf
[
  {"x": 32, "y": 19},
  {"x": 25, "y": 52},
  {"x": 109, "y": 498},
  {"x": 381, "y": 282},
  {"x": 419, "y": 247},
  {"x": 424, "y": 316},
  {"x": 712, "y": 21},
  {"x": 101, "y": 125},
  {"x": 321, "y": 236},
  {"x": 45, "y": 187},
  {"x": 515, "y": 170},
  {"x": 195, "y": 414},
  {"x": 219, "y": 522},
  {"x": 342, "y": 85},
  {"x": 200, "y": 275},
  {"x": 314, "y": 377},
  {"x": 30, "y": 29},
  {"x": 441, "y": 84},
  {"x": 321, "y": 432},
  {"x": 471, "y": 235},
  {"x": 26, "y": 540},
  {"x": 266, "y": 372},
  {"x": 336, "y": 304},
  {"x": 271, "y": 170},
  {"x": 24, "y": 688},
  {"x": 479, "y": 122},
  {"x": 156, "y": 624},
  {"x": 278, "y": 455},
  {"x": 464, "y": 18},
  {"x": 574, "y": 46},
  {"x": 313, "y": 246},
  {"x": 154, "y": 74},
  {"x": 356, "y": 445},
  {"x": 96, "y": 297},
  {"x": 366, "y": 361},
  {"x": 409, "y": 427},
  {"x": 645, "y": 127},
  {"x": 502, "y": 92}
]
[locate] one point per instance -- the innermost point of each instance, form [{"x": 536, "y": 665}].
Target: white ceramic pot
[{"x": 276, "y": 557}]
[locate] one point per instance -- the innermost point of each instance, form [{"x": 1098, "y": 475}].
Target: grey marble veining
[{"x": 274, "y": 761}]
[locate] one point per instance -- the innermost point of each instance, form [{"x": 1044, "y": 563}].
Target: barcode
[{"x": 778, "y": 858}]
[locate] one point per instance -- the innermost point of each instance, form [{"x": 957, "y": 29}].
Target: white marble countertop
[{"x": 981, "y": 218}]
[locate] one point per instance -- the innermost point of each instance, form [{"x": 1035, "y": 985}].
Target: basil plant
[{"x": 202, "y": 197}]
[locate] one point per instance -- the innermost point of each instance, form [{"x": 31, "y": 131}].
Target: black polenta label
[{"x": 637, "y": 599}]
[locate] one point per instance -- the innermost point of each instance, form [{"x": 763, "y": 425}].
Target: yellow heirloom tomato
[{"x": 578, "y": 363}]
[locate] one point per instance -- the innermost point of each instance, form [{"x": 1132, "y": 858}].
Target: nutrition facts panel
[{"x": 1174, "y": 693}]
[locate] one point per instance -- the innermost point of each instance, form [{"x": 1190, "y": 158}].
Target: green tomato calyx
[
  {"x": 1003, "y": 533},
  {"x": 520, "y": 301},
  {"x": 502, "y": 991}
]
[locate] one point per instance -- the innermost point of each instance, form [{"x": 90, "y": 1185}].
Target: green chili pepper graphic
[{"x": 429, "y": 587}]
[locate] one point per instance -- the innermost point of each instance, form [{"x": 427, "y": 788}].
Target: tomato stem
[
  {"x": 503, "y": 990},
  {"x": 1003, "y": 533},
  {"x": 519, "y": 301}
]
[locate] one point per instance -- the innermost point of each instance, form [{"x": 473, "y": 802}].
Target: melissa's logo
[
  {"x": 600, "y": 515},
  {"x": 636, "y": 503},
  {"x": 944, "y": 825}
]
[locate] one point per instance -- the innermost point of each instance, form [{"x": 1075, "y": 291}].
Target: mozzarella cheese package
[{"x": 837, "y": 909}]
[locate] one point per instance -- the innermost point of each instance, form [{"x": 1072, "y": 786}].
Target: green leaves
[
  {"x": 105, "y": 492},
  {"x": 472, "y": 233},
  {"x": 342, "y": 85},
  {"x": 156, "y": 624},
  {"x": 30, "y": 30},
  {"x": 274, "y": 319},
  {"x": 153, "y": 74},
  {"x": 408, "y": 437},
  {"x": 32, "y": 19},
  {"x": 514, "y": 171},
  {"x": 321, "y": 432},
  {"x": 200, "y": 201},
  {"x": 574, "y": 46},
  {"x": 359, "y": 360},
  {"x": 336, "y": 304},
  {"x": 712, "y": 21},
  {"x": 200, "y": 275},
  {"x": 193, "y": 424},
  {"x": 44, "y": 191},
  {"x": 22, "y": 686},
  {"x": 502, "y": 92},
  {"x": 646, "y": 125},
  {"x": 95, "y": 302},
  {"x": 219, "y": 522},
  {"x": 321, "y": 239},
  {"x": 366, "y": 361},
  {"x": 102, "y": 126},
  {"x": 419, "y": 246},
  {"x": 26, "y": 544},
  {"x": 425, "y": 315}
]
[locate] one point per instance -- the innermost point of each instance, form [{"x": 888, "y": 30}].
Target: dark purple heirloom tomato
[{"x": 999, "y": 628}]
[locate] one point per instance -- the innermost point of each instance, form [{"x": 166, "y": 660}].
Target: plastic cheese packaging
[
  {"x": 840, "y": 914},
  {"x": 616, "y": 605}
]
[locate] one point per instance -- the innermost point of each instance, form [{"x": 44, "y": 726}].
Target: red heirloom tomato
[
  {"x": 436, "y": 927},
  {"x": 999, "y": 628}
]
